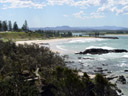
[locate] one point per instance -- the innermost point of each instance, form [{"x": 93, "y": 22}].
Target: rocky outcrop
[
  {"x": 109, "y": 37},
  {"x": 102, "y": 51},
  {"x": 125, "y": 70},
  {"x": 111, "y": 77},
  {"x": 121, "y": 79}
]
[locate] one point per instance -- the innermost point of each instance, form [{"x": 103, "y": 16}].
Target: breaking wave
[
  {"x": 61, "y": 48},
  {"x": 86, "y": 40},
  {"x": 125, "y": 56}
]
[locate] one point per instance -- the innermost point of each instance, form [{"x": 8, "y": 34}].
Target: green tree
[
  {"x": 5, "y": 26},
  {"x": 69, "y": 83},
  {"x": 101, "y": 85},
  {"x": 15, "y": 26},
  {"x": 1, "y": 26},
  {"x": 9, "y": 26},
  {"x": 25, "y": 26}
]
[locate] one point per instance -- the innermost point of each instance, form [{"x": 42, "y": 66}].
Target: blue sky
[{"x": 51, "y": 13}]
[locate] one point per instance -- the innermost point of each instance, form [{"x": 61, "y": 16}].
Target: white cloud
[
  {"x": 80, "y": 3},
  {"x": 60, "y": 2},
  {"x": 97, "y": 15},
  {"x": 87, "y": 3},
  {"x": 83, "y": 15},
  {"x": 21, "y": 4},
  {"x": 80, "y": 15},
  {"x": 65, "y": 15},
  {"x": 116, "y": 6},
  {"x": 122, "y": 2},
  {"x": 124, "y": 10}
]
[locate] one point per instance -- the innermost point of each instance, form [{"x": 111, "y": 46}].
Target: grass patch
[{"x": 14, "y": 36}]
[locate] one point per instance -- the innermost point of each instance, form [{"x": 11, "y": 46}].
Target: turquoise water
[
  {"x": 115, "y": 63},
  {"x": 117, "y": 60}
]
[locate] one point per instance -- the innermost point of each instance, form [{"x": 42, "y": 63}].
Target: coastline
[
  {"x": 54, "y": 49},
  {"x": 48, "y": 41}
]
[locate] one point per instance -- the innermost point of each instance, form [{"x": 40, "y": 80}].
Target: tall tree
[
  {"x": 25, "y": 26},
  {"x": 15, "y": 27},
  {"x": 1, "y": 26},
  {"x": 9, "y": 26},
  {"x": 5, "y": 26}
]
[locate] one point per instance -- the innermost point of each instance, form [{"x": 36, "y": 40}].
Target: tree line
[
  {"x": 8, "y": 26},
  {"x": 53, "y": 33}
]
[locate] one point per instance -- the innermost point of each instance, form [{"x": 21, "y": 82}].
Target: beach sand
[{"x": 51, "y": 42}]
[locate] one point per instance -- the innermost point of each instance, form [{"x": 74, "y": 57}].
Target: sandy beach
[
  {"x": 50, "y": 40},
  {"x": 51, "y": 43}
]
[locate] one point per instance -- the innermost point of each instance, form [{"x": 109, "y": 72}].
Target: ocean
[{"x": 112, "y": 63}]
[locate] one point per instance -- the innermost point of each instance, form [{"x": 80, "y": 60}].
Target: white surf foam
[
  {"x": 86, "y": 40},
  {"x": 101, "y": 59},
  {"x": 123, "y": 65},
  {"x": 125, "y": 56},
  {"x": 61, "y": 48}
]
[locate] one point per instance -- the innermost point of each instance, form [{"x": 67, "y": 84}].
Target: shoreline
[{"x": 51, "y": 40}]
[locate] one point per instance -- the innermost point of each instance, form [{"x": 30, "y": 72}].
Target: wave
[
  {"x": 101, "y": 59},
  {"x": 123, "y": 65},
  {"x": 60, "y": 47},
  {"x": 125, "y": 56},
  {"x": 103, "y": 47},
  {"x": 86, "y": 40}
]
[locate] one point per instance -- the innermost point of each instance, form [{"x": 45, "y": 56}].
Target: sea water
[{"x": 114, "y": 63}]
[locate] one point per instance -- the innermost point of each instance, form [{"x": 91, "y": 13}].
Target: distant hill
[{"x": 81, "y": 28}]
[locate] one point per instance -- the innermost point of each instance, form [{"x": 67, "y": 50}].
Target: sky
[{"x": 75, "y": 13}]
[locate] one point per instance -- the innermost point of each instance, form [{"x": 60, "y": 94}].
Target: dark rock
[
  {"x": 94, "y": 51},
  {"x": 105, "y": 70},
  {"x": 98, "y": 71},
  {"x": 100, "y": 68},
  {"x": 121, "y": 79},
  {"x": 88, "y": 58},
  {"x": 102, "y": 51},
  {"x": 109, "y": 37},
  {"x": 105, "y": 64},
  {"x": 112, "y": 77},
  {"x": 69, "y": 61},
  {"x": 79, "y": 57},
  {"x": 81, "y": 62},
  {"x": 119, "y": 92},
  {"x": 119, "y": 50},
  {"x": 125, "y": 70},
  {"x": 90, "y": 67},
  {"x": 109, "y": 72}
]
